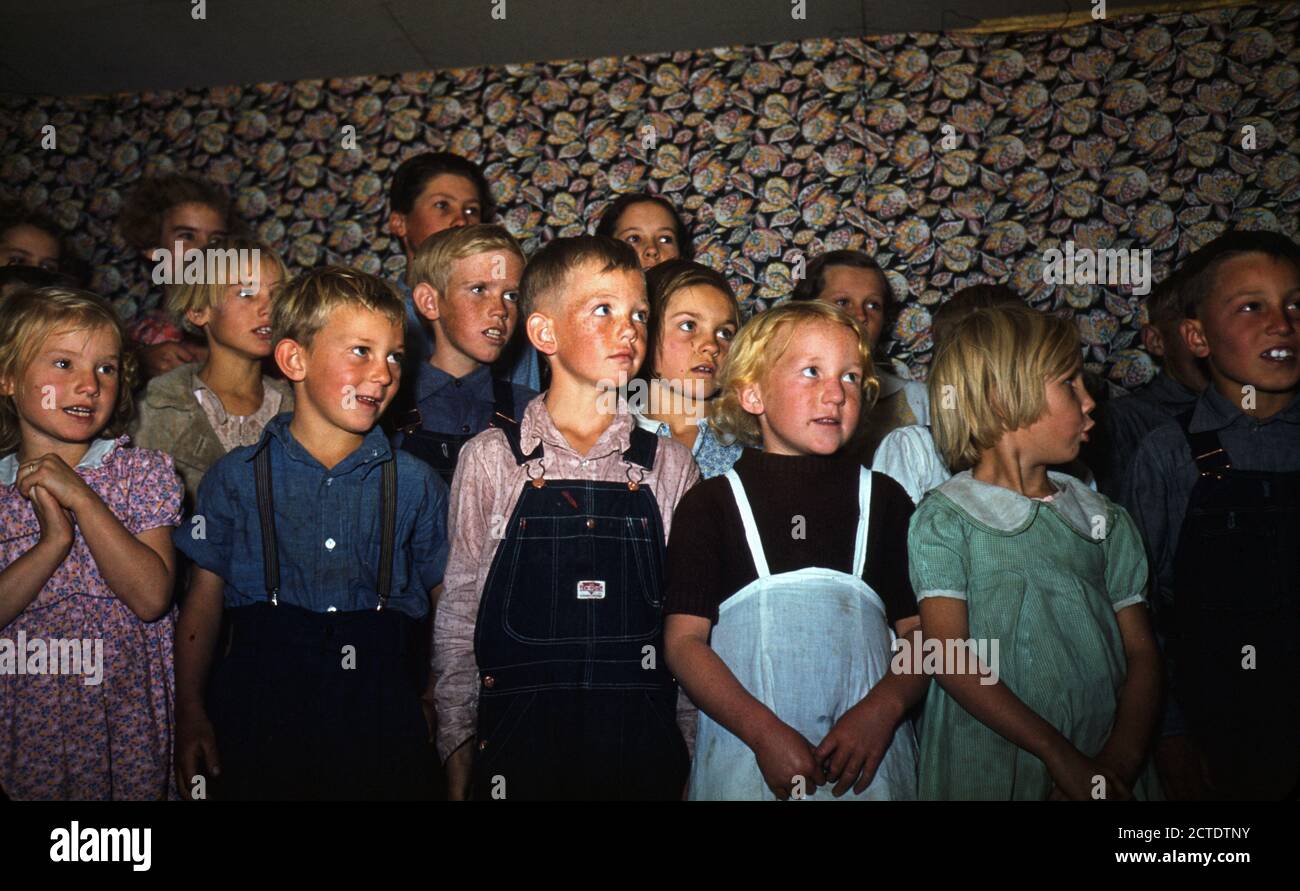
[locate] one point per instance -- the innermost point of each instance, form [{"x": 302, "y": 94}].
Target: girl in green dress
[{"x": 1046, "y": 577}]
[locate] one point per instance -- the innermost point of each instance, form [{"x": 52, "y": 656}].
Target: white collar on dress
[
  {"x": 93, "y": 458},
  {"x": 1007, "y": 512}
]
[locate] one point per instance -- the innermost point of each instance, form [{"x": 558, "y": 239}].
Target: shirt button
[
  {"x": 332, "y": 609},
  {"x": 489, "y": 682},
  {"x": 329, "y": 480},
  {"x": 482, "y": 745},
  {"x": 591, "y": 524},
  {"x": 464, "y": 428},
  {"x": 584, "y": 462},
  {"x": 329, "y": 544},
  {"x": 456, "y": 383}
]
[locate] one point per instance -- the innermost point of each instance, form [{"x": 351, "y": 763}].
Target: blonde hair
[
  {"x": 434, "y": 257},
  {"x": 209, "y": 294},
  {"x": 758, "y": 346},
  {"x": 27, "y": 319},
  {"x": 306, "y": 302},
  {"x": 989, "y": 376}
]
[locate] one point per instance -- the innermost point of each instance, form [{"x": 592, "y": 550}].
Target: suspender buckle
[{"x": 275, "y": 597}]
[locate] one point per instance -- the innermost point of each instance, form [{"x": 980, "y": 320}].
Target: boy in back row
[
  {"x": 548, "y": 649},
  {"x": 322, "y": 545},
  {"x": 1216, "y": 495}
]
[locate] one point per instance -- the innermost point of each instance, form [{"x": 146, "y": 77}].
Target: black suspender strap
[
  {"x": 1211, "y": 458},
  {"x": 503, "y": 401},
  {"x": 642, "y": 447},
  {"x": 266, "y": 515},
  {"x": 270, "y": 550},
  {"x": 388, "y": 536}
]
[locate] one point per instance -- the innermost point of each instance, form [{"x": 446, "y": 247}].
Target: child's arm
[
  {"x": 197, "y": 629},
  {"x": 22, "y": 580},
  {"x": 997, "y": 707},
  {"x": 138, "y": 569},
  {"x": 782, "y": 753},
  {"x": 862, "y": 735},
  {"x": 1139, "y": 699}
]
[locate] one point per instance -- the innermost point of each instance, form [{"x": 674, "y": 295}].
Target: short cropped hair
[
  {"x": 27, "y": 318},
  {"x": 307, "y": 301},
  {"x": 1198, "y": 277},
  {"x": 434, "y": 257},
  {"x": 608, "y": 224},
  {"x": 141, "y": 218},
  {"x": 665, "y": 280},
  {"x": 989, "y": 377},
  {"x": 548, "y": 271},
  {"x": 758, "y": 346},
  {"x": 184, "y": 297},
  {"x": 965, "y": 302},
  {"x": 1165, "y": 303},
  {"x": 415, "y": 172}
]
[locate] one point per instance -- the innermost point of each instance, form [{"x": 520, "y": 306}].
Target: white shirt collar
[
  {"x": 94, "y": 458},
  {"x": 1002, "y": 510}
]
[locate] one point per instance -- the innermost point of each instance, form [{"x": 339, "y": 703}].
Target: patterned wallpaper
[{"x": 1122, "y": 133}]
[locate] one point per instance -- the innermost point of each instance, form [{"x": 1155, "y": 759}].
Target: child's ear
[
  {"x": 1152, "y": 341},
  {"x": 199, "y": 317},
  {"x": 751, "y": 399},
  {"x": 1193, "y": 332},
  {"x": 6, "y": 386},
  {"x": 291, "y": 356},
  {"x": 426, "y": 297},
  {"x": 397, "y": 225},
  {"x": 541, "y": 332}
]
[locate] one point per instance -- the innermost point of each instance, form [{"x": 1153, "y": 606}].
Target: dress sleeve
[
  {"x": 937, "y": 551},
  {"x": 156, "y": 492},
  {"x": 907, "y": 455},
  {"x": 1126, "y": 562}
]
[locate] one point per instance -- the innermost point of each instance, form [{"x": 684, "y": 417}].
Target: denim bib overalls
[
  {"x": 809, "y": 645},
  {"x": 575, "y": 699},
  {"x": 1236, "y": 623},
  {"x": 442, "y": 450},
  {"x": 294, "y": 718}
]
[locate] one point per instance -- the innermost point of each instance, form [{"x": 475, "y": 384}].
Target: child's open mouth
[
  {"x": 1279, "y": 354},
  {"x": 706, "y": 370},
  {"x": 80, "y": 412},
  {"x": 371, "y": 402},
  {"x": 496, "y": 335},
  {"x": 827, "y": 422},
  {"x": 263, "y": 332}
]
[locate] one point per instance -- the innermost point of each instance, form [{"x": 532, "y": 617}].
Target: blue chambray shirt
[
  {"x": 328, "y": 525},
  {"x": 459, "y": 405}
]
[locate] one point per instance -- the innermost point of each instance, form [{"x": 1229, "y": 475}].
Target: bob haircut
[
  {"x": 989, "y": 377},
  {"x": 608, "y": 224},
  {"x": 209, "y": 295},
  {"x": 967, "y": 301},
  {"x": 665, "y": 280},
  {"x": 434, "y": 258},
  {"x": 758, "y": 346},
  {"x": 30, "y": 316},
  {"x": 141, "y": 219},
  {"x": 306, "y": 302}
]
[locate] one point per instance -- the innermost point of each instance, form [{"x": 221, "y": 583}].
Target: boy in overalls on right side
[
  {"x": 1216, "y": 494},
  {"x": 548, "y": 641}
]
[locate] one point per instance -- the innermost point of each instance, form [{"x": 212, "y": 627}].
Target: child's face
[
  {"x": 1246, "y": 329},
  {"x": 474, "y": 319},
  {"x": 194, "y": 225},
  {"x": 695, "y": 336},
  {"x": 598, "y": 327},
  {"x": 651, "y": 231},
  {"x": 1055, "y": 438},
  {"x": 862, "y": 293},
  {"x": 242, "y": 321},
  {"x": 447, "y": 200},
  {"x": 68, "y": 392},
  {"x": 350, "y": 372},
  {"x": 28, "y": 246},
  {"x": 809, "y": 400}
]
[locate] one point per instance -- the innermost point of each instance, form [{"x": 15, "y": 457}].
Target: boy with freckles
[
  {"x": 1216, "y": 495},
  {"x": 548, "y": 639},
  {"x": 322, "y": 546}
]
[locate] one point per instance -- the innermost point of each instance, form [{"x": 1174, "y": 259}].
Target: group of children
[{"x": 672, "y": 572}]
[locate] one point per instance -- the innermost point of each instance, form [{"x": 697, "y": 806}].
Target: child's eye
[
  {"x": 842, "y": 303},
  {"x": 850, "y": 377},
  {"x": 874, "y": 306},
  {"x": 62, "y": 363},
  {"x": 511, "y": 296},
  {"x": 247, "y": 291},
  {"x": 642, "y": 316},
  {"x": 667, "y": 239},
  {"x": 472, "y": 211},
  {"x": 362, "y": 351},
  {"x": 602, "y": 310},
  {"x": 477, "y": 289},
  {"x": 1251, "y": 305},
  {"x": 440, "y": 205},
  {"x": 809, "y": 372},
  {"x": 632, "y": 239},
  {"x": 687, "y": 326},
  {"x": 396, "y": 357},
  {"x": 108, "y": 368},
  {"x": 726, "y": 334}
]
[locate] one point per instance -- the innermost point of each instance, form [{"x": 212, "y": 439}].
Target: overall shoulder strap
[
  {"x": 1207, "y": 450},
  {"x": 503, "y": 401},
  {"x": 511, "y": 429},
  {"x": 751, "y": 527},
  {"x": 266, "y": 516},
  {"x": 864, "y": 521},
  {"x": 642, "y": 447},
  {"x": 388, "y": 535}
]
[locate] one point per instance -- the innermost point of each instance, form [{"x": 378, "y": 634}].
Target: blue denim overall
[
  {"x": 442, "y": 450},
  {"x": 1237, "y": 585},
  {"x": 809, "y": 644},
  {"x": 292, "y": 722},
  {"x": 575, "y": 700}
]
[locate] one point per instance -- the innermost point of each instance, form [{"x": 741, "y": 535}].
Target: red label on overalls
[{"x": 591, "y": 590}]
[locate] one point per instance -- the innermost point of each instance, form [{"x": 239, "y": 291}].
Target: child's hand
[
  {"x": 784, "y": 755},
  {"x": 56, "y": 524},
  {"x": 196, "y": 749},
  {"x": 855, "y": 747},
  {"x": 1076, "y": 777},
  {"x": 163, "y": 357},
  {"x": 53, "y": 474}
]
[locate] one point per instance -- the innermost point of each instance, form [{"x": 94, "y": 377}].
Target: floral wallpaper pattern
[{"x": 952, "y": 158}]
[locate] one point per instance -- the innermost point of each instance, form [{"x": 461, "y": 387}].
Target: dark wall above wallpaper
[{"x": 1126, "y": 133}]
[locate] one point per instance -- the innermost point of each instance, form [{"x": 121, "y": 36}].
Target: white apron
[{"x": 809, "y": 645}]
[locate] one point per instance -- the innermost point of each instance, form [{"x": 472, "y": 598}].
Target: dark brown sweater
[{"x": 709, "y": 559}]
